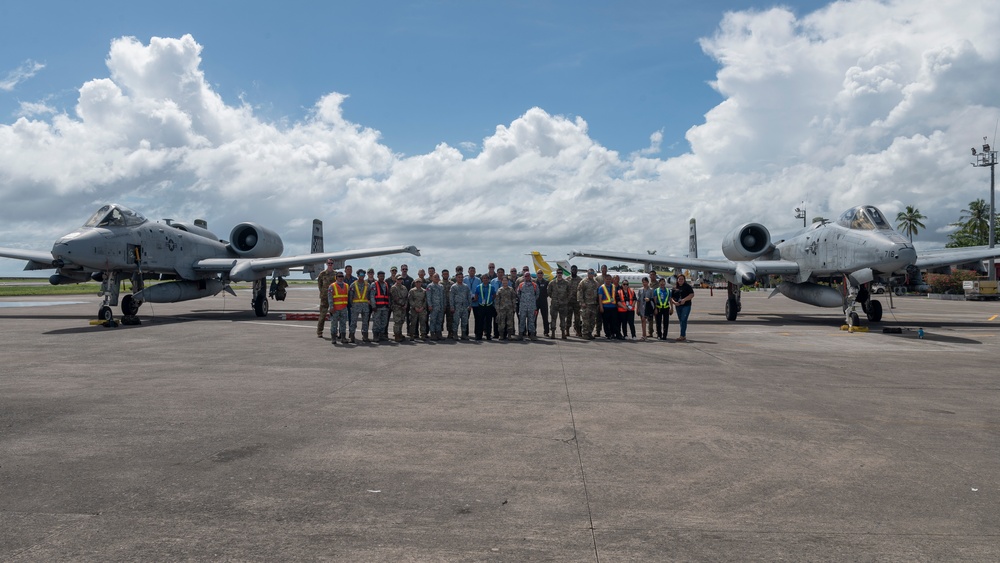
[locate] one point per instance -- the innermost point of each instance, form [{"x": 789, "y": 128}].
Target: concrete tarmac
[{"x": 207, "y": 433}]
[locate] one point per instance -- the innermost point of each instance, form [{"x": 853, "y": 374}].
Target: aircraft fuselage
[
  {"x": 830, "y": 249},
  {"x": 151, "y": 247}
]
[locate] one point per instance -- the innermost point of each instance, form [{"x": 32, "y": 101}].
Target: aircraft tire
[
  {"x": 732, "y": 309},
  {"x": 874, "y": 311},
  {"x": 260, "y": 307},
  {"x": 106, "y": 314},
  {"x": 129, "y": 306},
  {"x": 855, "y": 319}
]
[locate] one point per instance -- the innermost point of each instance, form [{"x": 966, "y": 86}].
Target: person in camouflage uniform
[
  {"x": 435, "y": 307},
  {"x": 446, "y": 283},
  {"x": 574, "y": 303},
  {"x": 527, "y": 298},
  {"x": 417, "y": 304},
  {"x": 325, "y": 278},
  {"x": 506, "y": 302},
  {"x": 586, "y": 295},
  {"x": 379, "y": 302},
  {"x": 460, "y": 298},
  {"x": 559, "y": 293},
  {"x": 398, "y": 298}
]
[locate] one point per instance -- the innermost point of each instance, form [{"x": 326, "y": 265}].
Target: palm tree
[
  {"x": 909, "y": 221},
  {"x": 973, "y": 224}
]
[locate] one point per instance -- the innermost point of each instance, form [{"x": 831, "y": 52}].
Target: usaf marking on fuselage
[
  {"x": 118, "y": 242},
  {"x": 860, "y": 247}
]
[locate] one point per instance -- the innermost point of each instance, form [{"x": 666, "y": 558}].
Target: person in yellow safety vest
[
  {"x": 661, "y": 313},
  {"x": 338, "y": 306},
  {"x": 357, "y": 302},
  {"x": 626, "y": 310},
  {"x": 606, "y": 296}
]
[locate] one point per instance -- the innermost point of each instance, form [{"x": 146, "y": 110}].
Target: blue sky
[
  {"x": 420, "y": 72},
  {"x": 481, "y": 131}
]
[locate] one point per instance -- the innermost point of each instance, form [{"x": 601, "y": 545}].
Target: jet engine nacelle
[
  {"x": 746, "y": 242},
  {"x": 250, "y": 240}
]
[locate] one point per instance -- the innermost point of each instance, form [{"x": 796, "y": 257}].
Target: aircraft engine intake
[
  {"x": 250, "y": 240},
  {"x": 746, "y": 242}
]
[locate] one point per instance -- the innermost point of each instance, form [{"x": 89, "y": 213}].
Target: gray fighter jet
[
  {"x": 859, "y": 248},
  {"x": 118, "y": 242}
]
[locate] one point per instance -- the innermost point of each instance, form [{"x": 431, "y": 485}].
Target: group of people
[{"x": 503, "y": 305}]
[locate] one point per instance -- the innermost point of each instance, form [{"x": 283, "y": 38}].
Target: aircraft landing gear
[
  {"x": 733, "y": 304},
  {"x": 110, "y": 286},
  {"x": 130, "y": 305},
  {"x": 874, "y": 311},
  {"x": 259, "y": 302}
]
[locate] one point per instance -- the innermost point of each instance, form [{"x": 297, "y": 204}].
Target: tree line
[{"x": 973, "y": 225}]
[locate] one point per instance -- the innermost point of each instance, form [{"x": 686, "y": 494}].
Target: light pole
[
  {"x": 800, "y": 213},
  {"x": 989, "y": 158}
]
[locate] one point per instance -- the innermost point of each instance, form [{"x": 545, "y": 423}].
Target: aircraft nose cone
[
  {"x": 70, "y": 245},
  {"x": 907, "y": 255}
]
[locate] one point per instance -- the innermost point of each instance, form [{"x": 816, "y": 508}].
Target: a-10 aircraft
[
  {"x": 117, "y": 242},
  {"x": 860, "y": 247}
]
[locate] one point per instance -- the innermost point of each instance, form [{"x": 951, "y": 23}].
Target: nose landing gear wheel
[
  {"x": 855, "y": 319},
  {"x": 106, "y": 314}
]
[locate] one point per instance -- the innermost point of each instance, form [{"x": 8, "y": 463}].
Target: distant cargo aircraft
[
  {"x": 633, "y": 278},
  {"x": 860, "y": 247},
  {"x": 117, "y": 242}
]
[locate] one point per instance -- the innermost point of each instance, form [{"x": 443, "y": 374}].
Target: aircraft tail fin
[
  {"x": 541, "y": 264},
  {"x": 692, "y": 239},
  {"x": 564, "y": 265},
  {"x": 316, "y": 248}
]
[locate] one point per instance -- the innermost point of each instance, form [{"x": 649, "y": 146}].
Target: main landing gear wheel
[
  {"x": 874, "y": 311},
  {"x": 260, "y": 307},
  {"x": 129, "y": 306},
  {"x": 732, "y": 309},
  {"x": 106, "y": 314}
]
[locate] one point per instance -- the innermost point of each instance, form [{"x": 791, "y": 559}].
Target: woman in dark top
[{"x": 681, "y": 297}]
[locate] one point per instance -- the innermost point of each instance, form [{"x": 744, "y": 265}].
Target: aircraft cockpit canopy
[
  {"x": 114, "y": 215},
  {"x": 864, "y": 218}
]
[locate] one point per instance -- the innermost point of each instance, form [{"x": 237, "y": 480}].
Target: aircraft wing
[
  {"x": 37, "y": 260},
  {"x": 951, "y": 256},
  {"x": 761, "y": 267},
  {"x": 246, "y": 269}
]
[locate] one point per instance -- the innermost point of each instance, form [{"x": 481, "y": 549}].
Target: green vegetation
[
  {"x": 950, "y": 283},
  {"x": 973, "y": 226},
  {"x": 908, "y": 221}
]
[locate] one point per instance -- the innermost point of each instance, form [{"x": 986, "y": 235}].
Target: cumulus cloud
[
  {"x": 28, "y": 69},
  {"x": 859, "y": 102}
]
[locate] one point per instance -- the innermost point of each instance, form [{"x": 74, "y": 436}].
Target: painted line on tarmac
[
  {"x": 277, "y": 324},
  {"x": 993, "y": 317}
]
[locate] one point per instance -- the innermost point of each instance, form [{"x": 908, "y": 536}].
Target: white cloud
[
  {"x": 860, "y": 102},
  {"x": 28, "y": 69}
]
